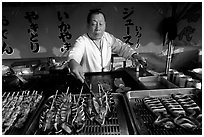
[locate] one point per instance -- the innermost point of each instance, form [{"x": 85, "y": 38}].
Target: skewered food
[
  {"x": 101, "y": 105},
  {"x": 173, "y": 106},
  {"x": 16, "y": 109},
  {"x": 155, "y": 106},
  {"x": 188, "y": 104},
  {"x": 65, "y": 115},
  {"x": 181, "y": 118},
  {"x": 192, "y": 109},
  {"x": 186, "y": 122}
]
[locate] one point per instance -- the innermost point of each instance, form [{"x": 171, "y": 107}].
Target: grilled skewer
[{"x": 155, "y": 106}]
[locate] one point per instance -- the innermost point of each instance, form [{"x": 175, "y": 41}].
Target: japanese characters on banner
[
  {"x": 32, "y": 18},
  {"x": 47, "y": 31},
  {"x": 64, "y": 31},
  {"x": 187, "y": 31},
  {"x": 127, "y": 17},
  {"x": 6, "y": 48},
  {"x": 32, "y": 30}
]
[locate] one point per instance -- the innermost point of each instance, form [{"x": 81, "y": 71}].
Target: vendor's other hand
[
  {"x": 140, "y": 60},
  {"x": 77, "y": 70}
]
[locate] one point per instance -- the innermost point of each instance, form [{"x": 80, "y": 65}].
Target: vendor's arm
[
  {"x": 74, "y": 58},
  {"x": 126, "y": 51},
  {"x": 77, "y": 70}
]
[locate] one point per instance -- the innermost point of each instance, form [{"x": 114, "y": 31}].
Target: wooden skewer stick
[
  {"x": 67, "y": 91},
  {"x": 4, "y": 94},
  {"x": 80, "y": 95},
  {"x": 54, "y": 100}
]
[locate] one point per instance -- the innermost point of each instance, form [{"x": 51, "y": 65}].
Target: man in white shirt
[{"x": 92, "y": 51}]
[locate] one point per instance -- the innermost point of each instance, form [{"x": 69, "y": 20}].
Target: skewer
[
  {"x": 100, "y": 94},
  {"x": 17, "y": 93},
  {"x": 13, "y": 94},
  {"x": 99, "y": 89},
  {"x": 67, "y": 90},
  {"x": 89, "y": 87},
  {"x": 4, "y": 94},
  {"x": 70, "y": 97},
  {"x": 7, "y": 95},
  {"x": 54, "y": 100},
  {"x": 74, "y": 99},
  {"x": 80, "y": 95},
  {"x": 28, "y": 92},
  {"x": 33, "y": 92}
]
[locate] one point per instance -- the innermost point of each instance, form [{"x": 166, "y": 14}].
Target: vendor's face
[{"x": 97, "y": 26}]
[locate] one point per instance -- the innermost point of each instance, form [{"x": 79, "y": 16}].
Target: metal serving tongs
[{"x": 89, "y": 87}]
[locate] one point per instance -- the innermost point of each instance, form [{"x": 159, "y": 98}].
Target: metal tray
[
  {"x": 121, "y": 123},
  {"x": 156, "y": 82},
  {"x": 144, "y": 118},
  {"x": 108, "y": 77},
  {"x": 31, "y": 116}
]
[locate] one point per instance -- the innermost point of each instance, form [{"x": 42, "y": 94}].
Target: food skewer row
[
  {"x": 102, "y": 106},
  {"x": 179, "y": 113},
  {"x": 16, "y": 111},
  {"x": 9, "y": 122},
  {"x": 5, "y": 99},
  {"x": 5, "y": 109},
  {"x": 25, "y": 110},
  {"x": 155, "y": 106},
  {"x": 173, "y": 106},
  {"x": 67, "y": 115},
  {"x": 10, "y": 98},
  {"x": 187, "y": 103},
  {"x": 10, "y": 108},
  {"x": 50, "y": 115},
  {"x": 190, "y": 106}
]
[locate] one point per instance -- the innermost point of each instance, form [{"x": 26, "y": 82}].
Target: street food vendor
[{"x": 92, "y": 50}]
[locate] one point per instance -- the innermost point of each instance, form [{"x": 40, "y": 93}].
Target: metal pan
[
  {"x": 144, "y": 118},
  {"x": 156, "y": 82}
]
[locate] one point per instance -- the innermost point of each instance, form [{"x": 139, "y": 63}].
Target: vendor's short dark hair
[{"x": 92, "y": 12}]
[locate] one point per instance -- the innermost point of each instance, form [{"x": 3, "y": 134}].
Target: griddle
[
  {"x": 144, "y": 118},
  {"x": 121, "y": 123}
]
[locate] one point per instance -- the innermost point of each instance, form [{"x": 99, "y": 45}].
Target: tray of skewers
[
  {"x": 18, "y": 110},
  {"x": 168, "y": 112},
  {"x": 102, "y": 113}
]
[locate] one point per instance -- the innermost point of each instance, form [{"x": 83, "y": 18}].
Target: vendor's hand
[
  {"x": 139, "y": 60},
  {"x": 77, "y": 70}
]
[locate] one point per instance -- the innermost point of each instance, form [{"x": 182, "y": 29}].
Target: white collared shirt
[{"x": 95, "y": 59}]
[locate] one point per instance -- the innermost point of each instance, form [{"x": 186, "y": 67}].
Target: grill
[
  {"x": 145, "y": 120},
  {"x": 111, "y": 127},
  {"x": 28, "y": 119},
  {"x": 120, "y": 123}
]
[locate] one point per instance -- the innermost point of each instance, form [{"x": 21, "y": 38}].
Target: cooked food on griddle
[
  {"x": 16, "y": 109},
  {"x": 181, "y": 117},
  {"x": 155, "y": 106},
  {"x": 100, "y": 106},
  {"x": 188, "y": 104},
  {"x": 173, "y": 106},
  {"x": 63, "y": 114},
  {"x": 192, "y": 109},
  {"x": 186, "y": 122}
]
